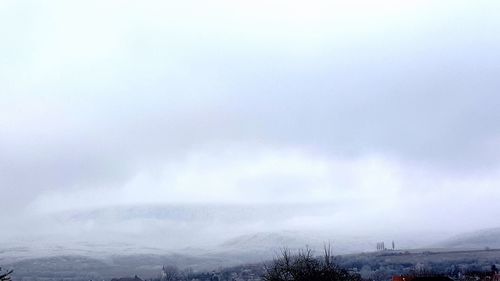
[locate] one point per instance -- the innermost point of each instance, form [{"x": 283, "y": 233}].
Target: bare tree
[
  {"x": 170, "y": 273},
  {"x": 305, "y": 266},
  {"x": 5, "y": 276}
]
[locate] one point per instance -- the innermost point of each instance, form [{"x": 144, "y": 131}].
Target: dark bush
[{"x": 303, "y": 266}]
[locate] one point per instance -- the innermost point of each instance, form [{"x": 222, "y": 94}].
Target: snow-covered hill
[{"x": 485, "y": 238}]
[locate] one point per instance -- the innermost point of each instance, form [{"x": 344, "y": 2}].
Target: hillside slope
[{"x": 474, "y": 240}]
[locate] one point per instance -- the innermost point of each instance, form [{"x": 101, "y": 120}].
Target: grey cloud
[{"x": 424, "y": 96}]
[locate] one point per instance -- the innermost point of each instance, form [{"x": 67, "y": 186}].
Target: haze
[{"x": 359, "y": 118}]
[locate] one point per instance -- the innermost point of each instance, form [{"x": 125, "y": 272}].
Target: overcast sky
[{"x": 382, "y": 108}]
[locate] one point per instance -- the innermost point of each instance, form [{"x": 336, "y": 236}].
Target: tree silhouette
[
  {"x": 170, "y": 273},
  {"x": 303, "y": 266},
  {"x": 5, "y": 276}
]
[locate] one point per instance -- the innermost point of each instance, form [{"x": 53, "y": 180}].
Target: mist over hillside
[
  {"x": 480, "y": 239},
  {"x": 260, "y": 229},
  {"x": 379, "y": 264},
  {"x": 142, "y": 251},
  {"x": 205, "y": 134}
]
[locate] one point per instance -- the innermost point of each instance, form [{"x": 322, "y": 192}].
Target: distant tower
[{"x": 393, "y": 246}]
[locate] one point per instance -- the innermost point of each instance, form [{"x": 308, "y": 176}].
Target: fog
[{"x": 202, "y": 121}]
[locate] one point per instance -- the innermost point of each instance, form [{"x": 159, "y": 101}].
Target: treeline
[
  {"x": 302, "y": 265},
  {"x": 383, "y": 267},
  {"x": 288, "y": 265}
]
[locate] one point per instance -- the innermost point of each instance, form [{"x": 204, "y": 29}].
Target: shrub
[{"x": 303, "y": 266}]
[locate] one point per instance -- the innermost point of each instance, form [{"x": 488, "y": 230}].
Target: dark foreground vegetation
[
  {"x": 288, "y": 265},
  {"x": 5, "y": 275},
  {"x": 380, "y": 266},
  {"x": 305, "y": 266},
  {"x": 300, "y": 266}
]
